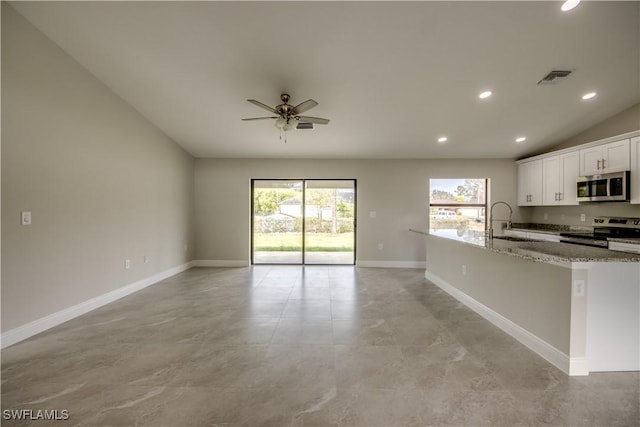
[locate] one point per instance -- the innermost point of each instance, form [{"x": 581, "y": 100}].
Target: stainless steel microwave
[{"x": 611, "y": 187}]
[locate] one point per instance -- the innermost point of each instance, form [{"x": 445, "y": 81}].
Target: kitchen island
[{"x": 578, "y": 307}]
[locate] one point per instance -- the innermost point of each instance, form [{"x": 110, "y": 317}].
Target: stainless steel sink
[{"x": 515, "y": 239}]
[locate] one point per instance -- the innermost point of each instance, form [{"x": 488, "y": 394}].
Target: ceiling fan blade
[
  {"x": 304, "y": 106},
  {"x": 261, "y": 118},
  {"x": 316, "y": 120},
  {"x": 265, "y": 106}
]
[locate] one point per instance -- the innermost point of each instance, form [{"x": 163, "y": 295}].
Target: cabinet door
[
  {"x": 523, "y": 195},
  {"x": 551, "y": 181},
  {"x": 535, "y": 182},
  {"x": 530, "y": 183},
  {"x": 616, "y": 156},
  {"x": 635, "y": 170},
  {"x": 569, "y": 172},
  {"x": 591, "y": 161}
]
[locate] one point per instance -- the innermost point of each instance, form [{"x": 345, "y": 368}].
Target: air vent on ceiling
[
  {"x": 303, "y": 125},
  {"x": 554, "y": 76}
]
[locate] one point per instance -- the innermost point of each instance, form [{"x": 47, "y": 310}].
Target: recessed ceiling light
[
  {"x": 569, "y": 4},
  {"x": 521, "y": 139},
  {"x": 485, "y": 94},
  {"x": 442, "y": 139},
  {"x": 589, "y": 95}
]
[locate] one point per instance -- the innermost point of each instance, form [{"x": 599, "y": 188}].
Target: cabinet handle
[
  {"x": 602, "y": 163},
  {"x": 598, "y": 164},
  {"x": 560, "y": 196}
]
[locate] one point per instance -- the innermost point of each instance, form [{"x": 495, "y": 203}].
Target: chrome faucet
[{"x": 490, "y": 231}]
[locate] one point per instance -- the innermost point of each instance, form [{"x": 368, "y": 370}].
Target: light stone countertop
[{"x": 538, "y": 251}]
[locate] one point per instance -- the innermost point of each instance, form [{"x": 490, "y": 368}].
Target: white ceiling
[{"x": 391, "y": 76}]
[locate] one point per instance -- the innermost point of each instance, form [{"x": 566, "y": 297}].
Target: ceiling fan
[{"x": 287, "y": 116}]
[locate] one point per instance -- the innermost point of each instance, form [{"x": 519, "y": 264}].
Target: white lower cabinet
[
  {"x": 547, "y": 237},
  {"x": 625, "y": 247}
]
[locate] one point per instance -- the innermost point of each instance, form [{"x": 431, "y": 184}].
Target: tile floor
[{"x": 299, "y": 346}]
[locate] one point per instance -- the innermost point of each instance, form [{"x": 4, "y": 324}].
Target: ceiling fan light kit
[{"x": 288, "y": 117}]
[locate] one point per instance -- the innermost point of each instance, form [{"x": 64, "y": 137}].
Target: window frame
[{"x": 484, "y": 205}]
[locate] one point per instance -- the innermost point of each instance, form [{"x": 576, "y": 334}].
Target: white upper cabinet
[
  {"x": 605, "y": 158},
  {"x": 550, "y": 180},
  {"x": 530, "y": 183},
  {"x": 559, "y": 174},
  {"x": 635, "y": 170}
]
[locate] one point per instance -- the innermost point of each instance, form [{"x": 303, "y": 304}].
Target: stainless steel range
[{"x": 603, "y": 229}]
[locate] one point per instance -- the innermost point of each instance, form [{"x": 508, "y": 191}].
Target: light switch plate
[
  {"x": 25, "y": 218},
  {"x": 373, "y": 214}
]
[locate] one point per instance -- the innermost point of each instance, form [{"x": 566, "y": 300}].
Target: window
[{"x": 457, "y": 208}]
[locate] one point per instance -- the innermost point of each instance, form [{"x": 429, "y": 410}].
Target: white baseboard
[
  {"x": 573, "y": 366},
  {"x": 391, "y": 264},
  {"x": 578, "y": 366},
  {"x": 221, "y": 263},
  {"x": 35, "y": 327}
]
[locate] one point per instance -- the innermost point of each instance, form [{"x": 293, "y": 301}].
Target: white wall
[
  {"x": 102, "y": 183},
  {"x": 397, "y": 190}
]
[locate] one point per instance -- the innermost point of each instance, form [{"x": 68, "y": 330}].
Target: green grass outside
[{"x": 316, "y": 242}]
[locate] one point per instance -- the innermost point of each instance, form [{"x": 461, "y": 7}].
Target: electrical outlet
[
  {"x": 546, "y": 216},
  {"x": 127, "y": 264},
  {"x": 373, "y": 214},
  {"x": 146, "y": 259},
  {"x": 464, "y": 270},
  {"x": 562, "y": 217},
  {"x": 380, "y": 246},
  {"x": 578, "y": 288}
]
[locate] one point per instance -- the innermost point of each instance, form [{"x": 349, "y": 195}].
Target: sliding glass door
[
  {"x": 277, "y": 221},
  {"x": 303, "y": 221},
  {"x": 329, "y": 221}
]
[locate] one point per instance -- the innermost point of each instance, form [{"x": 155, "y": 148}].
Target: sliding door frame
[{"x": 304, "y": 210}]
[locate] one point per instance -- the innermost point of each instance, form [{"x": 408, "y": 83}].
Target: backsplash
[{"x": 570, "y": 215}]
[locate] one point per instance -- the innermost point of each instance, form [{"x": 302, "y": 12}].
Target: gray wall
[
  {"x": 102, "y": 183},
  {"x": 396, "y": 189},
  {"x": 623, "y": 122},
  {"x": 626, "y": 121},
  {"x": 534, "y": 295}
]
